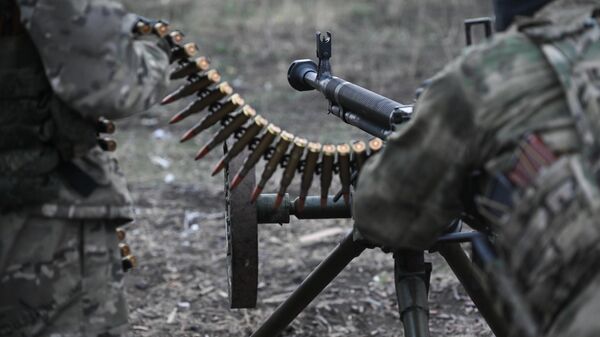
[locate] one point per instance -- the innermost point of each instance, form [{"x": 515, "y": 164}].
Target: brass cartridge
[
  {"x": 237, "y": 121},
  {"x": 343, "y": 151},
  {"x": 107, "y": 144},
  {"x": 290, "y": 170},
  {"x": 263, "y": 145},
  {"x": 182, "y": 53},
  {"x": 174, "y": 38},
  {"x": 200, "y": 64},
  {"x": 194, "y": 84},
  {"x": 326, "y": 171},
  {"x": 206, "y": 98},
  {"x": 104, "y": 125},
  {"x": 375, "y": 145},
  {"x": 218, "y": 111},
  {"x": 359, "y": 154},
  {"x": 251, "y": 131},
  {"x": 308, "y": 172},
  {"x": 280, "y": 149}
]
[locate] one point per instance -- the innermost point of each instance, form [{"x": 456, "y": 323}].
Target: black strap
[{"x": 77, "y": 179}]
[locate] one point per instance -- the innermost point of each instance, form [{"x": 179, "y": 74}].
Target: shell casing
[
  {"x": 121, "y": 234},
  {"x": 237, "y": 121},
  {"x": 280, "y": 150},
  {"x": 183, "y": 52},
  {"x": 308, "y": 172},
  {"x": 263, "y": 145},
  {"x": 285, "y": 139},
  {"x": 198, "y": 65},
  {"x": 107, "y": 144},
  {"x": 174, "y": 38},
  {"x": 124, "y": 249},
  {"x": 218, "y": 113},
  {"x": 104, "y": 125},
  {"x": 251, "y": 131},
  {"x": 128, "y": 262},
  {"x": 326, "y": 171},
  {"x": 194, "y": 84},
  {"x": 359, "y": 154},
  {"x": 375, "y": 145},
  {"x": 142, "y": 27},
  {"x": 290, "y": 170},
  {"x": 343, "y": 151},
  {"x": 160, "y": 28},
  {"x": 206, "y": 98}
]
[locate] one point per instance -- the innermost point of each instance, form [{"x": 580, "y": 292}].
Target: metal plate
[{"x": 242, "y": 237}]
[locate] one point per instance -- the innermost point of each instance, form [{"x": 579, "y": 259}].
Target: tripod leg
[
  {"x": 472, "y": 281},
  {"x": 412, "y": 275},
  {"x": 312, "y": 286}
]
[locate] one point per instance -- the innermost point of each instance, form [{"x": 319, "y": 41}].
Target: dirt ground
[{"x": 180, "y": 287}]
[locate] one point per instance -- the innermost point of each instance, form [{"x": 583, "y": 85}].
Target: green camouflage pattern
[
  {"x": 472, "y": 116},
  {"x": 60, "y": 277}
]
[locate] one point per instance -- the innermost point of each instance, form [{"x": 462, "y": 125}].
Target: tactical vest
[
  {"x": 547, "y": 205},
  {"x": 39, "y": 134}
]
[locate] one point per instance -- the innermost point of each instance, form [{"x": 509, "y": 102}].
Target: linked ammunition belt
[{"x": 264, "y": 140}]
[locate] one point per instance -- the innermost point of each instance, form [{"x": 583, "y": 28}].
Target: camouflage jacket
[
  {"x": 97, "y": 68},
  {"x": 473, "y": 117}
]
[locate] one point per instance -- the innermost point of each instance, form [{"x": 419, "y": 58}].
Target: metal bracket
[
  {"x": 323, "y": 54},
  {"x": 486, "y": 22}
]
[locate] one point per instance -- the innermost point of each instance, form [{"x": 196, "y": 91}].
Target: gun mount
[{"x": 251, "y": 135}]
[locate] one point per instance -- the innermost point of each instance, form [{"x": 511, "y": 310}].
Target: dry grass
[{"x": 387, "y": 46}]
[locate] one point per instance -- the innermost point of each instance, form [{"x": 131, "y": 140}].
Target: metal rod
[
  {"x": 312, "y": 209},
  {"x": 471, "y": 280},
  {"x": 412, "y": 276},
  {"x": 312, "y": 286}
]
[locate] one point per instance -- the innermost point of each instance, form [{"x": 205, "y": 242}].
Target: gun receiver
[{"x": 355, "y": 105}]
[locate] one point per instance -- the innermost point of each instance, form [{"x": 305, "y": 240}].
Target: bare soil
[{"x": 180, "y": 287}]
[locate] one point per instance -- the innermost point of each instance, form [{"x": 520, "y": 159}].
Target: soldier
[
  {"x": 64, "y": 64},
  {"x": 508, "y": 132}
]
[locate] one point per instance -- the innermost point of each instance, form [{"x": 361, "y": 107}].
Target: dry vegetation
[{"x": 180, "y": 288}]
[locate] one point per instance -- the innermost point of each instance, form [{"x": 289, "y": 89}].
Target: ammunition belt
[{"x": 251, "y": 131}]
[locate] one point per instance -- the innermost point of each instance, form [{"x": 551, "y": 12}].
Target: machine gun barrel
[{"x": 355, "y": 105}]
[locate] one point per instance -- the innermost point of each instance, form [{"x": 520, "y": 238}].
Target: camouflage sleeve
[
  {"x": 408, "y": 194},
  {"x": 92, "y": 59}
]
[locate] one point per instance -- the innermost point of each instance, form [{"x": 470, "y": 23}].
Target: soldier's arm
[
  {"x": 407, "y": 194},
  {"x": 92, "y": 60}
]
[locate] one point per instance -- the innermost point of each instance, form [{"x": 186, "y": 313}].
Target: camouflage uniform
[
  {"x": 67, "y": 64},
  {"x": 479, "y": 115}
]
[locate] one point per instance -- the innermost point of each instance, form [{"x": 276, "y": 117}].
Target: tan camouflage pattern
[
  {"x": 92, "y": 60},
  {"x": 60, "y": 266},
  {"x": 472, "y": 116},
  {"x": 60, "y": 278}
]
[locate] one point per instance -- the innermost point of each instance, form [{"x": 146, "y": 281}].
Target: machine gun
[
  {"x": 245, "y": 132},
  {"x": 355, "y": 105}
]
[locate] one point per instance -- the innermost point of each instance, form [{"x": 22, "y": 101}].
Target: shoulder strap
[{"x": 565, "y": 53}]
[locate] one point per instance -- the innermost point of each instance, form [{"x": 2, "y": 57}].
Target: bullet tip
[
  {"x": 176, "y": 118},
  {"x": 220, "y": 165},
  {"x": 187, "y": 136},
  {"x": 255, "y": 194},
  {"x": 167, "y": 100},
  {"x": 202, "y": 152},
  {"x": 278, "y": 201},
  {"x": 236, "y": 181},
  {"x": 301, "y": 201}
]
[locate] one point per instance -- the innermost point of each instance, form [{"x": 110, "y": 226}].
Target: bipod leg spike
[
  {"x": 311, "y": 287},
  {"x": 412, "y": 276}
]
